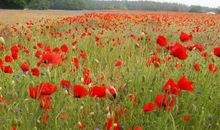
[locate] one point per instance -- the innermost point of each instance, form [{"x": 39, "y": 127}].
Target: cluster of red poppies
[{"x": 166, "y": 100}]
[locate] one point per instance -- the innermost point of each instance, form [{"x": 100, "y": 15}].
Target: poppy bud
[
  {"x": 2, "y": 40},
  {"x": 109, "y": 115},
  {"x": 111, "y": 92}
]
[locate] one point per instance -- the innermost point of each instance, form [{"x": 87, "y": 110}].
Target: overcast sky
[{"x": 209, "y": 3}]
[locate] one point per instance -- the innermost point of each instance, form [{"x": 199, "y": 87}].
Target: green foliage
[
  {"x": 195, "y": 9},
  {"x": 38, "y": 4},
  {"x": 69, "y": 4},
  {"x": 148, "y": 5},
  {"x": 13, "y": 4},
  {"x": 116, "y": 6},
  {"x": 102, "y": 5}
]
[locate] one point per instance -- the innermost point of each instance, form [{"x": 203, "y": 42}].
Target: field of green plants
[{"x": 111, "y": 71}]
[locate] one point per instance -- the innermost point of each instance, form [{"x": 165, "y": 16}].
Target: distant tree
[
  {"x": 13, "y": 4},
  {"x": 38, "y": 4},
  {"x": 69, "y": 4},
  {"x": 102, "y": 5},
  {"x": 116, "y": 6},
  {"x": 194, "y": 8},
  {"x": 218, "y": 10}
]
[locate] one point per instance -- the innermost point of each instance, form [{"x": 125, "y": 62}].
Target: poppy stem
[
  {"x": 174, "y": 124},
  {"x": 48, "y": 72}
]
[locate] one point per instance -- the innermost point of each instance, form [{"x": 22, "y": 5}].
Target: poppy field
[{"x": 110, "y": 70}]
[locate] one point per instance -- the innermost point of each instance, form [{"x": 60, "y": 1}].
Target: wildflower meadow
[{"x": 110, "y": 70}]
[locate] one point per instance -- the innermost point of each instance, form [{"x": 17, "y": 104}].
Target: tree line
[{"x": 102, "y": 5}]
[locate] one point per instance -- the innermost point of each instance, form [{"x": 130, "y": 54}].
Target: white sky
[{"x": 209, "y": 3}]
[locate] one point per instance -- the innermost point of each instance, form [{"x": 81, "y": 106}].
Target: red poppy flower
[
  {"x": 47, "y": 88},
  {"x": 185, "y": 84},
  {"x": 43, "y": 93},
  {"x": 42, "y": 90},
  {"x": 133, "y": 98},
  {"x": 51, "y": 58},
  {"x": 186, "y": 118},
  {"x": 35, "y": 72},
  {"x": 118, "y": 63},
  {"x": 40, "y": 44},
  {"x": 14, "y": 52},
  {"x": 116, "y": 125},
  {"x": 196, "y": 67},
  {"x": 195, "y": 47},
  {"x": 45, "y": 102},
  {"x": 76, "y": 62},
  {"x": 64, "y": 48},
  {"x": 212, "y": 68},
  {"x": 56, "y": 50},
  {"x": 155, "y": 60},
  {"x": 83, "y": 35},
  {"x": 102, "y": 78},
  {"x": 2, "y": 47},
  {"x": 217, "y": 51},
  {"x": 87, "y": 80},
  {"x": 83, "y": 55},
  {"x": 97, "y": 38},
  {"x": 65, "y": 84},
  {"x": 190, "y": 47},
  {"x": 2, "y": 100},
  {"x": 1, "y": 64},
  {"x": 45, "y": 118},
  {"x": 20, "y": 46},
  {"x": 74, "y": 43},
  {"x": 86, "y": 72},
  {"x": 79, "y": 91},
  {"x": 132, "y": 36},
  {"x": 179, "y": 51},
  {"x": 177, "y": 65},
  {"x": 47, "y": 49},
  {"x": 200, "y": 48},
  {"x": 185, "y": 37},
  {"x": 81, "y": 125},
  {"x": 164, "y": 101},
  {"x": 171, "y": 88},
  {"x": 8, "y": 69},
  {"x": 25, "y": 67},
  {"x": 98, "y": 91},
  {"x": 27, "y": 52},
  {"x": 148, "y": 107},
  {"x": 13, "y": 127},
  {"x": 38, "y": 54},
  {"x": 138, "y": 127},
  {"x": 205, "y": 54},
  {"x": 161, "y": 40},
  {"x": 34, "y": 92},
  {"x": 8, "y": 59},
  {"x": 109, "y": 124}
]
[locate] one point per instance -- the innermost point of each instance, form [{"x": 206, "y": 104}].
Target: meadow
[{"x": 109, "y": 70}]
